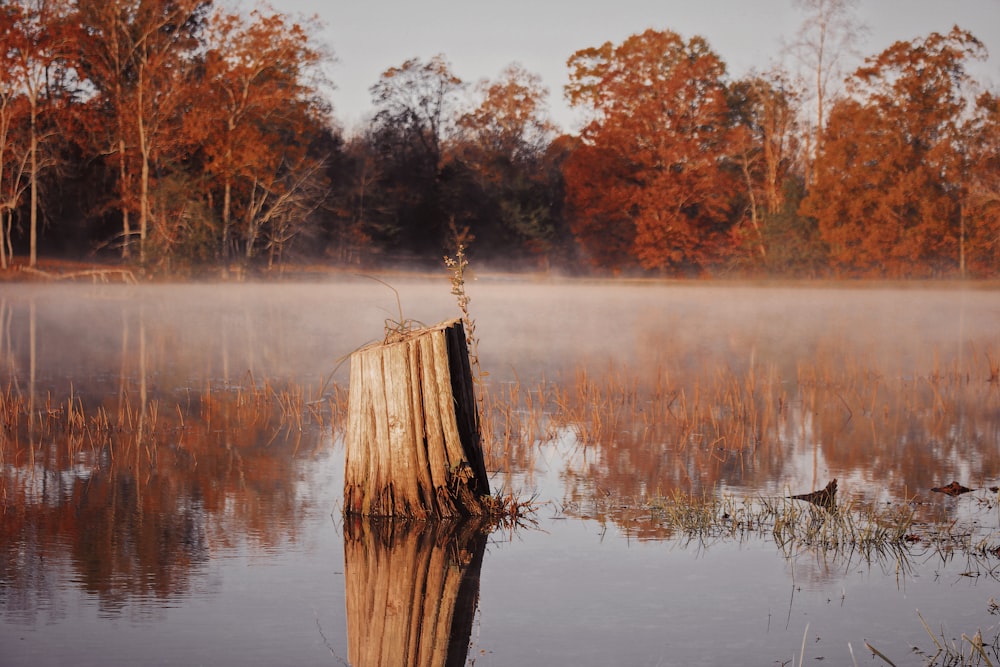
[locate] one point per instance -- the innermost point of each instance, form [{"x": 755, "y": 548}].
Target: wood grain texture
[{"x": 413, "y": 440}]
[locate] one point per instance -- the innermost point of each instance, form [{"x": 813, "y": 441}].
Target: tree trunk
[
  {"x": 33, "y": 212},
  {"x": 123, "y": 179},
  {"x": 745, "y": 167},
  {"x": 3, "y": 238},
  {"x": 411, "y": 590},
  {"x": 143, "y": 165},
  {"x": 227, "y": 194},
  {"x": 413, "y": 441}
]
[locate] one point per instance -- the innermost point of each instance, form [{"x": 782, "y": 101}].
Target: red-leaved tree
[{"x": 652, "y": 172}]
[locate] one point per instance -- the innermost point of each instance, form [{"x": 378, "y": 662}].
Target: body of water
[{"x": 172, "y": 463}]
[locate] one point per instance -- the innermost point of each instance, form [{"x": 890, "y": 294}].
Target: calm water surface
[{"x": 195, "y": 528}]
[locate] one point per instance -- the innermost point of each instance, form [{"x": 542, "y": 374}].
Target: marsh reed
[
  {"x": 633, "y": 436},
  {"x": 124, "y": 430},
  {"x": 862, "y": 416},
  {"x": 966, "y": 651},
  {"x": 656, "y": 449}
]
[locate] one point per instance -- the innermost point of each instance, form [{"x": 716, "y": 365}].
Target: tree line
[{"x": 175, "y": 134}]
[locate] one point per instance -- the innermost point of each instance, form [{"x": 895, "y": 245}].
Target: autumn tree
[
  {"x": 650, "y": 179},
  {"x": 511, "y": 117},
  {"x": 890, "y": 179},
  {"x": 416, "y": 111},
  {"x": 980, "y": 212},
  {"x": 599, "y": 192},
  {"x": 138, "y": 55},
  {"x": 260, "y": 110},
  {"x": 503, "y": 144},
  {"x": 38, "y": 41}
]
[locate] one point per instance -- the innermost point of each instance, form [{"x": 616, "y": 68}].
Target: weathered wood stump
[
  {"x": 413, "y": 440},
  {"x": 411, "y": 590}
]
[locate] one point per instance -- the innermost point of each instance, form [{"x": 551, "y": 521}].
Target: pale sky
[{"x": 480, "y": 38}]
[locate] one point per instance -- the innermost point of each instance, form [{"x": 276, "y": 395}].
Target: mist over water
[
  {"x": 222, "y": 541},
  {"x": 526, "y": 329}
]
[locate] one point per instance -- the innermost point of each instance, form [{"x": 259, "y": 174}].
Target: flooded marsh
[{"x": 171, "y": 477}]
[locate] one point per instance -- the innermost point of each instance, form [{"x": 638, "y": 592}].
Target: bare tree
[
  {"x": 418, "y": 101},
  {"x": 416, "y": 114},
  {"x": 13, "y": 170},
  {"x": 766, "y": 144},
  {"x": 279, "y": 204},
  {"x": 829, "y": 34}
]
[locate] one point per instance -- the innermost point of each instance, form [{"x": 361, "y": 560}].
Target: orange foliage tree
[
  {"x": 503, "y": 143},
  {"x": 651, "y": 181},
  {"x": 980, "y": 224},
  {"x": 137, "y": 55},
  {"x": 892, "y": 174},
  {"x": 510, "y": 118},
  {"x": 38, "y": 47},
  {"x": 257, "y": 113}
]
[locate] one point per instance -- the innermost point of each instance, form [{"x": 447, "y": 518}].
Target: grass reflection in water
[{"x": 133, "y": 497}]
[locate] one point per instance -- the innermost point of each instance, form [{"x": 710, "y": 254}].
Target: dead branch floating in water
[
  {"x": 825, "y": 498},
  {"x": 125, "y": 275},
  {"x": 953, "y": 489}
]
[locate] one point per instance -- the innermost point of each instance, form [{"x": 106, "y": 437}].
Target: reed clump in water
[
  {"x": 694, "y": 427},
  {"x": 510, "y": 511},
  {"x": 60, "y": 433},
  {"x": 968, "y": 651},
  {"x": 792, "y": 525}
]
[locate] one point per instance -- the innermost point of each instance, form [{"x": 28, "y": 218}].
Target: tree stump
[
  {"x": 411, "y": 590},
  {"x": 413, "y": 440}
]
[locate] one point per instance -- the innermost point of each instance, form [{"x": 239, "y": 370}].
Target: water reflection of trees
[
  {"x": 889, "y": 433},
  {"x": 132, "y": 508}
]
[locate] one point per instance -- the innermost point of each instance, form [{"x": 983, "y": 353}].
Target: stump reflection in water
[{"x": 412, "y": 589}]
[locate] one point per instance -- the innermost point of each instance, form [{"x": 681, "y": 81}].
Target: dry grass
[
  {"x": 653, "y": 438},
  {"x": 974, "y": 651},
  {"x": 793, "y": 525},
  {"x": 125, "y": 430},
  {"x": 671, "y": 426},
  {"x": 651, "y": 445}
]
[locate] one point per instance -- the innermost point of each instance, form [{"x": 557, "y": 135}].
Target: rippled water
[{"x": 220, "y": 540}]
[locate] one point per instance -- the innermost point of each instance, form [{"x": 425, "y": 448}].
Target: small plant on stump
[
  {"x": 504, "y": 510},
  {"x": 457, "y": 266}
]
